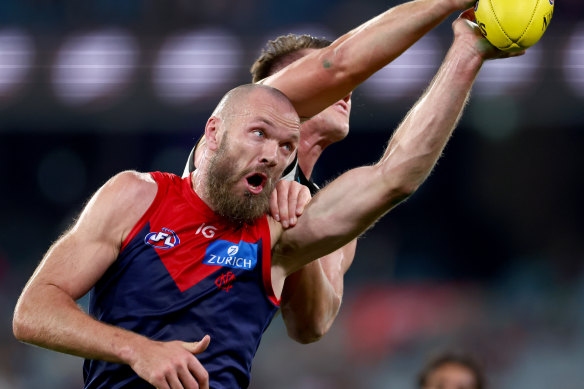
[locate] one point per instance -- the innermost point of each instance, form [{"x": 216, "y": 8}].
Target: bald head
[{"x": 236, "y": 102}]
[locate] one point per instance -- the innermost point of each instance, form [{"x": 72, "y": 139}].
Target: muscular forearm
[
  {"x": 47, "y": 317},
  {"x": 312, "y": 296},
  {"x": 355, "y": 200},
  {"x": 420, "y": 139},
  {"x": 355, "y": 56}
]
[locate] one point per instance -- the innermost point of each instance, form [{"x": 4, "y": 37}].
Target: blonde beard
[{"x": 222, "y": 197}]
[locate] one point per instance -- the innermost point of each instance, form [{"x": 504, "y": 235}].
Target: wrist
[
  {"x": 459, "y": 5},
  {"x": 451, "y": 6},
  {"x": 467, "y": 58},
  {"x": 126, "y": 348}
]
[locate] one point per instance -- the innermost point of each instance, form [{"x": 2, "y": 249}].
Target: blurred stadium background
[{"x": 487, "y": 256}]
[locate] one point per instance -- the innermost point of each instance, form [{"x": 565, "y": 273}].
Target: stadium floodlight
[
  {"x": 16, "y": 61},
  {"x": 197, "y": 65},
  {"x": 574, "y": 61},
  {"x": 95, "y": 68}
]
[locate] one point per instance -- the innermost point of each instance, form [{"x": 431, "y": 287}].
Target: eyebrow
[{"x": 295, "y": 136}]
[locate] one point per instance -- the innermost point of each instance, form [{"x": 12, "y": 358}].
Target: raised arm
[
  {"x": 354, "y": 201},
  {"x": 46, "y": 313},
  {"x": 327, "y": 75}
]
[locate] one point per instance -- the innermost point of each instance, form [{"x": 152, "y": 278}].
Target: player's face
[
  {"x": 451, "y": 376},
  {"x": 262, "y": 142},
  {"x": 252, "y": 155}
]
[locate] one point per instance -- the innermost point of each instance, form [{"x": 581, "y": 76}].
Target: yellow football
[{"x": 513, "y": 25}]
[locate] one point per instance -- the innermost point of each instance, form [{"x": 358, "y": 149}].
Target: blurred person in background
[
  {"x": 452, "y": 370},
  {"x": 151, "y": 343}
]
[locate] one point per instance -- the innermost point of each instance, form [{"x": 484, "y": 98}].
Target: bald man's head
[
  {"x": 237, "y": 101},
  {"x": 250, "y": 139}
]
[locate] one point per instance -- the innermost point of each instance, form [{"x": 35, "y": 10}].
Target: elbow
[
  {"x": 399, "y": 184},
  {"x": 338, "y": 66},
  {"x": 308, "y": 333},
  {"x": 312, "y": 327},
  {"x": 25, "y": 326},
  {"x": 399, "y": 193},
  {"x": 21, "y": 327}
]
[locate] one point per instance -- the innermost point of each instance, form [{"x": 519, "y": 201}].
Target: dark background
[{"x": 486, "y": 256}]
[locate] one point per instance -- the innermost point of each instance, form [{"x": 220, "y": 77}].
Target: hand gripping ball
[{"x": 513, "y": 25}]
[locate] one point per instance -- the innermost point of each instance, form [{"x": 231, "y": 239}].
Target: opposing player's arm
[
  {"x": 325, "y": 76},
  {"x": 46, "y": 313},
  {"x": 354, "y": 201},
  {"x": 312, "y": 295}
]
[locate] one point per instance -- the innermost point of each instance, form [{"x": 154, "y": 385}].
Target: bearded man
[{"x": 169, "y": 262}]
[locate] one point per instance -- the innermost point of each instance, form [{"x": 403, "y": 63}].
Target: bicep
[
  {"x": 75, "y": 263},
  {"x": 82, "y": 255}
]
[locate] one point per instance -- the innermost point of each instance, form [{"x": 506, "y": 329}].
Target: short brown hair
[{"x": 279, "y": 53}]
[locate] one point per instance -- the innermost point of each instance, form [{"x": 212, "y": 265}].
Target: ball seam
[
  {"x": 530, "y": 20},
  {"x": 498, "y": 22}
]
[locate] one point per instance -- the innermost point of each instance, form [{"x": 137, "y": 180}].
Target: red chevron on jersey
[{"x": 192, "y": 241}]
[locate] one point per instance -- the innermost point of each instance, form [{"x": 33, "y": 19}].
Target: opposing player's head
[
  {"x": 250, "y": 139},
  {"x": 333, "y": 122},
  {"x": 452, "y": 371}
]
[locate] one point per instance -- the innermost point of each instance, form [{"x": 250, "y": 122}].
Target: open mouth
[{"x": 256, "y": 182}]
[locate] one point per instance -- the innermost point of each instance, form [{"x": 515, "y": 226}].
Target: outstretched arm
[
  {"x": 355, "y": 200},
  {"x": 327, "y": 75},
  {"x": 46, "y": 313}
]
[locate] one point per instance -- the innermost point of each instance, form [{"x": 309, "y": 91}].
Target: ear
[{"x": 212, "y": 136}]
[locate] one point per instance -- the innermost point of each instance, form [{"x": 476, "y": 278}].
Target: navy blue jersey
[{"x": 184, "y": 272}]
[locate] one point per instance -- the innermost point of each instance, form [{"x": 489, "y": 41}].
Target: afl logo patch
[
  {"x": 166, "y": 239},
  {"x": 551, "y": 2},
  {"x": 477, "y": 5}
]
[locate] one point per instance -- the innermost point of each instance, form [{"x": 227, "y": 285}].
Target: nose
[{"x": 269, "y": 154}]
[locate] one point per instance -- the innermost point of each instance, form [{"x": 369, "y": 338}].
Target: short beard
[{"x": 222, "y": 197}]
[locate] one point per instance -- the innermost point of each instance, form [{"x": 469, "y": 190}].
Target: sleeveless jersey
[{"x": 184, "y": 272}]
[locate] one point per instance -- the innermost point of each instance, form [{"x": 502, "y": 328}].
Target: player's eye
[{"x": 258, "y": 132}]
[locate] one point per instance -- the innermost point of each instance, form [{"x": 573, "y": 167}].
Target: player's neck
[
  {"x": 198, "y": 185},
  {"x": 310, "y": 149}
]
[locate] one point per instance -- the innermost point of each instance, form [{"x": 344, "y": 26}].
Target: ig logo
[{"x": 207, "y": 231}]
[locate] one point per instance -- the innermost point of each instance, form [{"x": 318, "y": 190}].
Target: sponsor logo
[
  {"x": 207, "y": 231},
  {"x": 224, "y": 253},
  {"x": 547, "y": 19},
  {"x": 225, "y": 281},
  {"x": 232, "y": 250},
  {"x": 166, "y": 239}
]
